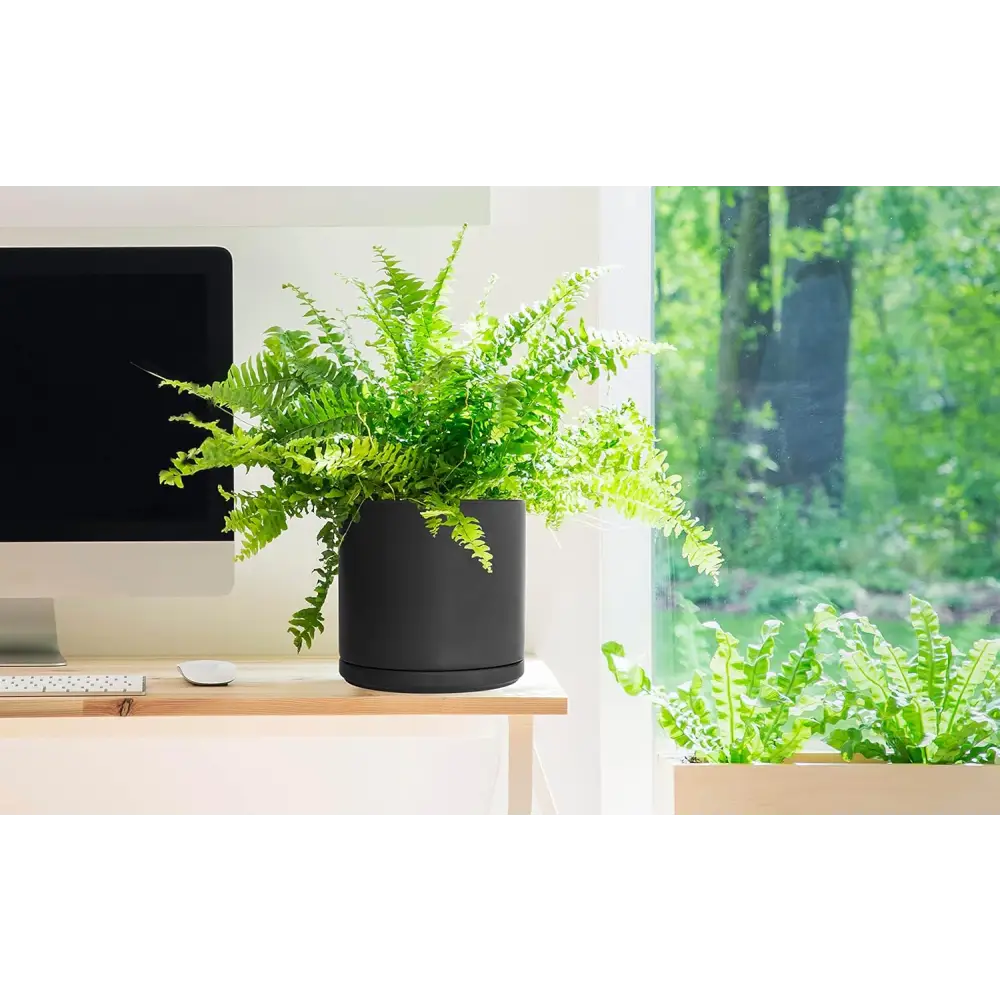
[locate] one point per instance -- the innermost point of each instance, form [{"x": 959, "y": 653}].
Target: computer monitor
[{"x": 85, "y": 430}]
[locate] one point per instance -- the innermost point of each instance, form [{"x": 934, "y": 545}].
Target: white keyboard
[{"x": 44, "y": 685}]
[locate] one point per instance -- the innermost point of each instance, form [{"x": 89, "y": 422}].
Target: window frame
[{"x": 625, "y": 302}]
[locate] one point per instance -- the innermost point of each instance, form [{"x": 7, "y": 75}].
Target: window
[{"x": 833, "y": 406}]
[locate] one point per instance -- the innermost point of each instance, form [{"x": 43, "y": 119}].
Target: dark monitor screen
[{"x": 84, "y": 429}]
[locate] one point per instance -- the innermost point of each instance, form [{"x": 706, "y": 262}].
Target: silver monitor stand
[{"x": 28, "y": 633}]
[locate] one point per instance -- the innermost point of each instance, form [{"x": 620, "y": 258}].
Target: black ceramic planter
[{"x": 418, "y": 613}]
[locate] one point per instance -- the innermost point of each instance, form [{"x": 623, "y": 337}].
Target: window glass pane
[{"x": 832, "y": 405}]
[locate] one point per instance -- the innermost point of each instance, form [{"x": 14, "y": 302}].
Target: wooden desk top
[{"x": 280, "y": 687}]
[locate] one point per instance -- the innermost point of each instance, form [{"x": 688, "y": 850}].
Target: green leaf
[
  {"x": 690, "y": 695},
  {"x": 889, "y": 697},
  {"x": 676, "y": 726},
  {"x": 851, "y": 742},
  {"x": 610, "y": 459},
  {"x": 683, "y": 714},
  {"x": 865, "y": 672},
  {"x": 973, "y": 670},
  {"x": 934, "y": 655},
  {"x": 783, "y": 690},
  {"x": 894, "y": 666},
  {"x": 632, "y": 678},
  {"x": 791, "y": 743},
  {"x": 966, "y": 743},
  {"x": 728, "y": 672},
  {"x": 306, "y": 623},
  {"x": 465, "y": 530},
  {"x": 758, "y": 661},
  {"x": 732, "y": 726}
]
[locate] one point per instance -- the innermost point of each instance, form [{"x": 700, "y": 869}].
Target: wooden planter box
[{"x": 823, "y": 784}]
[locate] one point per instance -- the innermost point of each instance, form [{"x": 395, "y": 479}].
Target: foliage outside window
[{"x": 832, "y": 406}]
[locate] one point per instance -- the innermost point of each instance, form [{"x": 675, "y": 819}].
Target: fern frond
[
  {"x": 581, "y": 352},
  {"x": 904, "y": 688},
  {"x": 893, "y": 661},
  {"x": 934, "y": 655},
  {"x": 313, "y": 313},
  {"x": 433, "y": 328},
  {"x": 334, "y": 334},
  {"x": 222, "y": 449},
  {"x": 801, "y": 668},
  {"x": 725, "y": 730},
  {"x": 401, "y": 296},
  {"x": 728, "y": 672},
  {"x": 304, "y": 624},
  {"x": 972, "y": 672},
  {"x": 851, "y": 742},
  {"x": 259, "y": 518},
  {"x": 690, "y": 694},
  {"x": 393, "y": 335},
  {"x": 683, "y": 716},
  {"x": 434, "y": 302},
  {"x": 465, "y": 530},
  {"x": 508, "y": 405},
  {"x": 680, "y": 724},
  {"x": 339, "y": 407},
  {"x": 758, "y": 661},
  {"x": 632, "y": 678},
  {"x": 533, "y": 320},
  {"x": 266, "y": 382},
  {"x": 972, "y": 741},
  {"x": 481, "y": 322},
  {"x": 367, "y": 458},
  {"x": 436, "y": 376},
  {"x": 610, "y": 459},
  {"x": 260, "y": 384},
  {"x": 793, "y": 742},
  {"x": 402, "y": 293},
  {"x": 546, "y": 372},
  {"x": 863, "y": 670},
  {"x": 782, "y": 690}
]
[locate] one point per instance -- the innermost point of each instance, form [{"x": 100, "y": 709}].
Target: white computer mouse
[{"x": 207, "y": 673}]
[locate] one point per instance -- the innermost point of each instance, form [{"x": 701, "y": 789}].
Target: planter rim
[{"x": 835, "y": 761}]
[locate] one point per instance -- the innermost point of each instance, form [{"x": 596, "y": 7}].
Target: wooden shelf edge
[{"x": 306, "y": 686}]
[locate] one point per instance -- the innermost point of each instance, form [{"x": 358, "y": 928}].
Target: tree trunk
[
  {"x": 747, "y": 311},
  {"x": 810, "y": 370},
  {"x": 747, "y": 328}
]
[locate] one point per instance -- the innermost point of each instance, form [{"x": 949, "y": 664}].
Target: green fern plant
[
  {"x": 447, "y": 414},
  {"x": 742, "y": 711},
  {"x": 937, "y": 706}
]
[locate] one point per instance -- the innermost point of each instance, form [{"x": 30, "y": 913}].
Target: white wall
[
  {"x": 104, "y": 207},
  {"x": 534, "y": 235}
]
